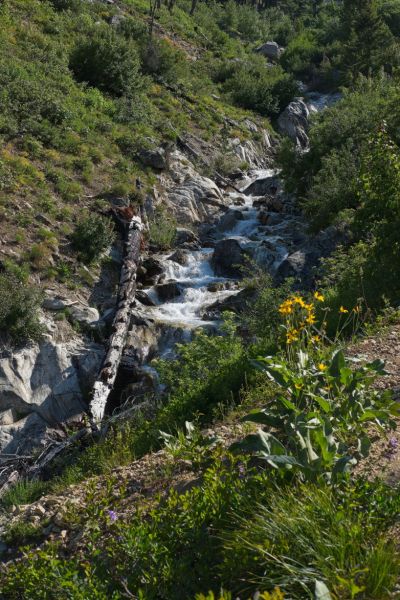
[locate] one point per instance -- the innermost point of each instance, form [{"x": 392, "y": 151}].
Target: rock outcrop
[
  {"x": 270, "y": 50},
  {"x": 294, "y": 122},
  {"x": 42, "y": 386}
]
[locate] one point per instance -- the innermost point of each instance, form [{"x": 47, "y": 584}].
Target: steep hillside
[{"x": 199, "y": 283}]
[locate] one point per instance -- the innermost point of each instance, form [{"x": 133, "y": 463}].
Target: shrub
[
  {"x": 162, "y": 228},
  {"x": 109, "y": 62},
  {"x": 251, "y": 85},
  {"x": 163, "y": 61},
  {"x": 93, "y": 233},
  {"x": 19, "y": 306}
]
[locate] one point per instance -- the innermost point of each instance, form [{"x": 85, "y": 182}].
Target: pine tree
[{"x": 368, "y": 42}]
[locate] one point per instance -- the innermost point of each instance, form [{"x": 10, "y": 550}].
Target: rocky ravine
[{"x": 223, "y": 225}]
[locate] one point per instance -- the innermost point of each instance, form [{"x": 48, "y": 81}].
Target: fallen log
[{"x": 127, "y": 285}]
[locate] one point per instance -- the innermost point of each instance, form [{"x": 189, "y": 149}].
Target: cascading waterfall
[{"x": 267, "y": 241}]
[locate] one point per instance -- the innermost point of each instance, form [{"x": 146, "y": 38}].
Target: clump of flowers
[{"x": 300, "y": 318}]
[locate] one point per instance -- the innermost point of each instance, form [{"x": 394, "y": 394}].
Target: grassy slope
[{"x": 66, "y": 147}]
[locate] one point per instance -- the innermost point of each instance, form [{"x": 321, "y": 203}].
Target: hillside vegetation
[{"x": 248, "y": 480}]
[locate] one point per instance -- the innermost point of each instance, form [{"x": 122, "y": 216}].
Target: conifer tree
[{"x": 368, "y": 42}]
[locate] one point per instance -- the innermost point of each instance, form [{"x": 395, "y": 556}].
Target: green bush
[
  {"x": 252, "y": 85},
  {"x": 19, "y": 306},
  {"x": 162, "y": 229},
  {"x": 108, "y": 61},
  {"x": 164, "y": 62},
  {"x": 92, "y": 235}
]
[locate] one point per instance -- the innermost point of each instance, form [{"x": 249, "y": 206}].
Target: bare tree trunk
[{"x": 105, "y": 382}]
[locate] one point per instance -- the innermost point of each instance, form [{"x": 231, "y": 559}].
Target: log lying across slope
[{"x": 127, "y": 285}]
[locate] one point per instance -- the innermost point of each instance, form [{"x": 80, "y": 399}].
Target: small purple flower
[
  {"x": 112, "y": 515},
  {"x": 393, "y": 443}
]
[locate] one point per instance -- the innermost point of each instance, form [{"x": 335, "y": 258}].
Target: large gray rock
[
  {"x": 48, "y": 380},
  {"x": 294, "y": 122},
  {"x": 228, "y": 258},
  {"x": 85, "y": 315},
  {"x": 168, "y": 291},
  {"x": 193, "y": 198},
  {"x": 156, "y": 159},
  {"x": 185, "y": 236},
  {"x": 270, "y": 50},
  {"x": 230, "y": 219}
]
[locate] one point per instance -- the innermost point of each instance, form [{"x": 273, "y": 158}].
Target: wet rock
[
  {"x": 270, "y": 50},
  {"x": 218, "y": 286},
  {"x": 294, "y": 122},
  {"x": 229, "y": 220},
  {"x": 149, "y": 271},
  {"x": 144, "y": 298},
  {"x": 180, "y": 257},
  {"x": 228, "y": 257},
  {"x": 168, "y": 291},
  {"x": 185, "y": 236},
  {"x": 156, "y": 159},
  {"x": 263, "y": 186},
  {"x": 293, "y": 265},
  {"x": 234, "y": 303}
]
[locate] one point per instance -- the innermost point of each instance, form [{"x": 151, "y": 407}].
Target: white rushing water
[{"x": 201, "y": 287}]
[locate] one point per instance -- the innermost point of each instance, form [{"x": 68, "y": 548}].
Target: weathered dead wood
[{"x": 127, "y": 285}]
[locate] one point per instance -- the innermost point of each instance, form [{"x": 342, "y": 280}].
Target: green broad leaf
[
  {"x": 323, "y": 404},
  {"x": 303, "y": 359},
  {"x": 378, "y": 366},
  {"x": 288, "y": 404},
  {"x": 260, "y": 443},
  {"x": 344, "y": 464},
  {"x": 190, "y": 428},
  {"x": 165, "y": 436},
  {"x": 312, "y": 455},
  {"x": 277, "y": 375},
  {"x": 338, "y": 362},
  {"x": 321, "y": 591},
  {"x": 281, "y": 460},
  {"x": 372, "y": 414},
  {"x": 263, "y": 417},
  {"x": 346, "y": 375},
  {"x": 364, "y": 445}
]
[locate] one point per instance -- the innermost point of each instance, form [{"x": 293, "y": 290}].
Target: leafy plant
[
  {"x": 19, "y": 308},
  {"x": 318, "y": 417},
  {"x": 92, "y": 235},
  {"x": 190, "y": 445}
]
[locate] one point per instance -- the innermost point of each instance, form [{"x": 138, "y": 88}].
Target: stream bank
[{"x": 224, "y": 224}]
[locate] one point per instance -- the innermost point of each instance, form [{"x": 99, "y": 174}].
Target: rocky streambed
[{"x": 225, "y": 227}]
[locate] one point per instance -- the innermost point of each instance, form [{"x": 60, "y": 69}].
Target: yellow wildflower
[
  {"x": 309, "y": 307},
  {"x": 286, "y": 307},
  {"x": 298, "y": 386},
  {"x": 322, "y": 367},
  {"x": 311, "y": 319},
  {"x": 299, "y": 300},
  {"x": 316, "y": 339},
  {"x": 343, "y": 310},
  {"x": 292, "y": 335},
  {"x": 318, "y": 296}
]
